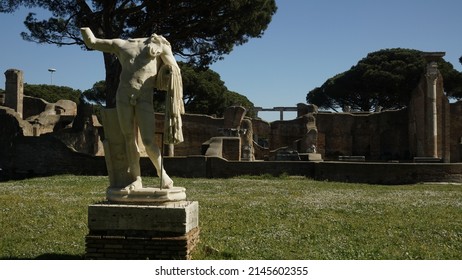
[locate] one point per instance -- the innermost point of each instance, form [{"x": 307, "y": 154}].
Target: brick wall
[
  {"x": 377, "y": 136},
  {"x": 139, "y": 246}
]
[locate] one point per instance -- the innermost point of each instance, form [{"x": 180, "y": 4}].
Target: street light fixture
[{"x": 51, "y": 70}]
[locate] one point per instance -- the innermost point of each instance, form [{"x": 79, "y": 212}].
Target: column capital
[{"x": 432, "y": 72}]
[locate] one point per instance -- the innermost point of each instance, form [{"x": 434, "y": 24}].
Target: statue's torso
[{"x": 139, "y": 66}]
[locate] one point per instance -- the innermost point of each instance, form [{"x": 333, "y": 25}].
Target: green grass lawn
[{"x": 251, "y": 218}]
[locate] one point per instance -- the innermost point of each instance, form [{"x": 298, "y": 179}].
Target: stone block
[
  {"x": 178, "y": 217},
  {"x": 310, "y": 156},
  {"x": 226, "y": 147},
  {"x": 232, "y": 148}
]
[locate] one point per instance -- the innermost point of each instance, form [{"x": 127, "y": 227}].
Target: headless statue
[{"x": 144, "y": 63}]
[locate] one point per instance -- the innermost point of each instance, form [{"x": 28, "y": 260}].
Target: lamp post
[{"x": 51, "y": 70}]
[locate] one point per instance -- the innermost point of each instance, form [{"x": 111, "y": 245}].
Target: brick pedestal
[{"x": 159, "y": 232}]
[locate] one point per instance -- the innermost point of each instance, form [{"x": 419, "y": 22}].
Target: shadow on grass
[
  {"x": 51, "y": 257},
  {"x": 60, "y": 257}
]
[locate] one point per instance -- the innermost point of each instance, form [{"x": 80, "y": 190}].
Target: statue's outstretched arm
[{"x": 104, "y": 45}]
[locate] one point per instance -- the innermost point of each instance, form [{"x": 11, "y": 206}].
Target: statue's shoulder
[{"x": 136, "y": 40}]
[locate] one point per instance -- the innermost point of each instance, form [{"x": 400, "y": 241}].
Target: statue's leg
[
  {"x": 126, "y": 115},
  {"x": 146, "y": 122}
]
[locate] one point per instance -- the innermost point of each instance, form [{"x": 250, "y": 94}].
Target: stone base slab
[
  {"x": 145, "y": 195},
  {"x": 176, "y": 217}
]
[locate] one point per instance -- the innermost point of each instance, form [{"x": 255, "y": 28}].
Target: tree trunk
[{"x": 113, "y": 69}]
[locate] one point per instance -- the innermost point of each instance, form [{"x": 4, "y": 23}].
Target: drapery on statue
[{"x": 147, "y": 63}]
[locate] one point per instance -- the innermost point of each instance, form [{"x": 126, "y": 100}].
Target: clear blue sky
[{"x": 307, "y": 42}]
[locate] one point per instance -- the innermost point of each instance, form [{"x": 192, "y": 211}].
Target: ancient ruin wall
[
  {"x": 197, "y": 129},
  {"x": 377, "y": 136},
  {"x": 11, "y": 127},
  {"x": 455, "y": 143},
  {"x": 285, "y": 133}
]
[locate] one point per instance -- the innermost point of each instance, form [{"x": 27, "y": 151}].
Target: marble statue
[{"x": 147, "y": 64}]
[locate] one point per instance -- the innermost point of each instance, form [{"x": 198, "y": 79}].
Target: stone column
[
  {"x": 14, "y": 90},
  {"x": 432, "y": 116},
  {"x": 431, "y": 112}
]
